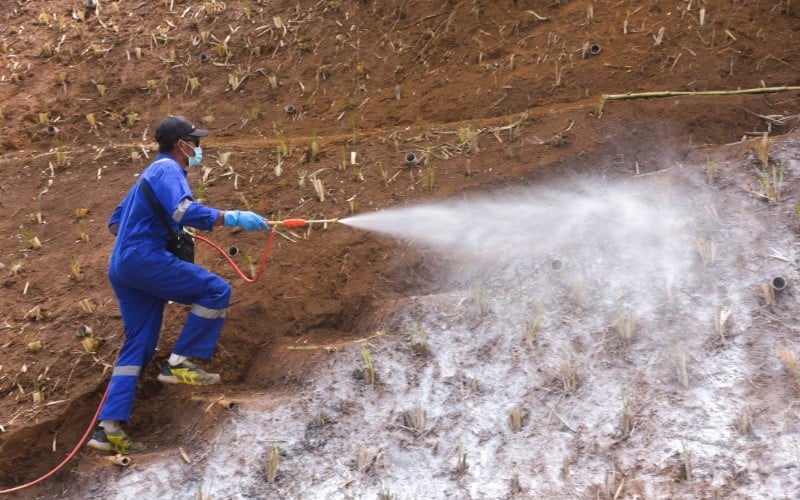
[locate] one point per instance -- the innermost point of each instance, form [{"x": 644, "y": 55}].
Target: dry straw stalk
[{"x": 648, "y": 95}]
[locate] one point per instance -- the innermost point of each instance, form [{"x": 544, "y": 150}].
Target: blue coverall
[{"x": 144, "y": 275}]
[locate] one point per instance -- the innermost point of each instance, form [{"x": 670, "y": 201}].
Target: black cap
[{"x": 173, "y": 128}]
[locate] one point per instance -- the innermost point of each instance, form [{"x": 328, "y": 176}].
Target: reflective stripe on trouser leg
[
  {"x": 129, "y": 370},
  {"x": 207, "y": 312}
]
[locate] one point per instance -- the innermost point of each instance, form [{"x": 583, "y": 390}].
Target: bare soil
[{"x": 81, "y": 91}]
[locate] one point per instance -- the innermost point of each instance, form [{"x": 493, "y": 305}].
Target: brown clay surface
[{"x": 380, "y": 78}]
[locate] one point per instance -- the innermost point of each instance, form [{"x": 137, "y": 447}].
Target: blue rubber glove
[{"x": 249, "y": 221}]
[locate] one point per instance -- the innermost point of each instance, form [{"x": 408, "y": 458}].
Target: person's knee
[{"x": 219, "y": 292}]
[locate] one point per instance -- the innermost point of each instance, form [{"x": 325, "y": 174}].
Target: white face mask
[{"x": 198, "y": 155}]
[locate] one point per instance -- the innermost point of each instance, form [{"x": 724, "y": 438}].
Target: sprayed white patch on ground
[{"x": 629, "y": 387}]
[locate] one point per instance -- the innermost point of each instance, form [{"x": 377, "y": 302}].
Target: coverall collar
[{"x": 165, "y": 156}]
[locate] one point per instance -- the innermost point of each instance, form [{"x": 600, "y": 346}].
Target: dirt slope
[{"x": 81, "y": 91}]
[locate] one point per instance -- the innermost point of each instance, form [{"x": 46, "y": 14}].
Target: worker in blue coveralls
[{"x": 145, "y": 275}]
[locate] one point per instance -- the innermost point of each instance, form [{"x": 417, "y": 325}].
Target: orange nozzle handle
[{"x": 293, "y": 222}]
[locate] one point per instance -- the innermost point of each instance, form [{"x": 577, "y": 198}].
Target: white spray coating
[{"x": 621, "y": 245}]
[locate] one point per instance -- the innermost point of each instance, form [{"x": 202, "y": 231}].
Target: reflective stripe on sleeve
[
  {"x": 130, "y": 370},
  {"x": 177, "y": 215},
  {"x": 207, "y": 312}
]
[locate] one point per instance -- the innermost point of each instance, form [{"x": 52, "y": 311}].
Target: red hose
[
  {"x": 233, "y": 264},
  {"x": 105, "y": 394},
  {"x": 69, "y": 457}
]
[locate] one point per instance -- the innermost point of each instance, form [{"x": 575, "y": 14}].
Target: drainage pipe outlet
[
  {"x": 120, "y": 460},
  {"x": 226, "y": 403}
]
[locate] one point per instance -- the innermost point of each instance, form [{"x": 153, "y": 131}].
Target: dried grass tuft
[{"x": 789, "y": 359}]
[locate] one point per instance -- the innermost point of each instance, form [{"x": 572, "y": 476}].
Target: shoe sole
[
  {"x": 171, "y": 379},
  {"x": 99, "y": 445},
  {"x": 134, "y": 447}
]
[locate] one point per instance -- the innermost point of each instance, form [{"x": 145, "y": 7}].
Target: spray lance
[{"x": 299, "y": 222}]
